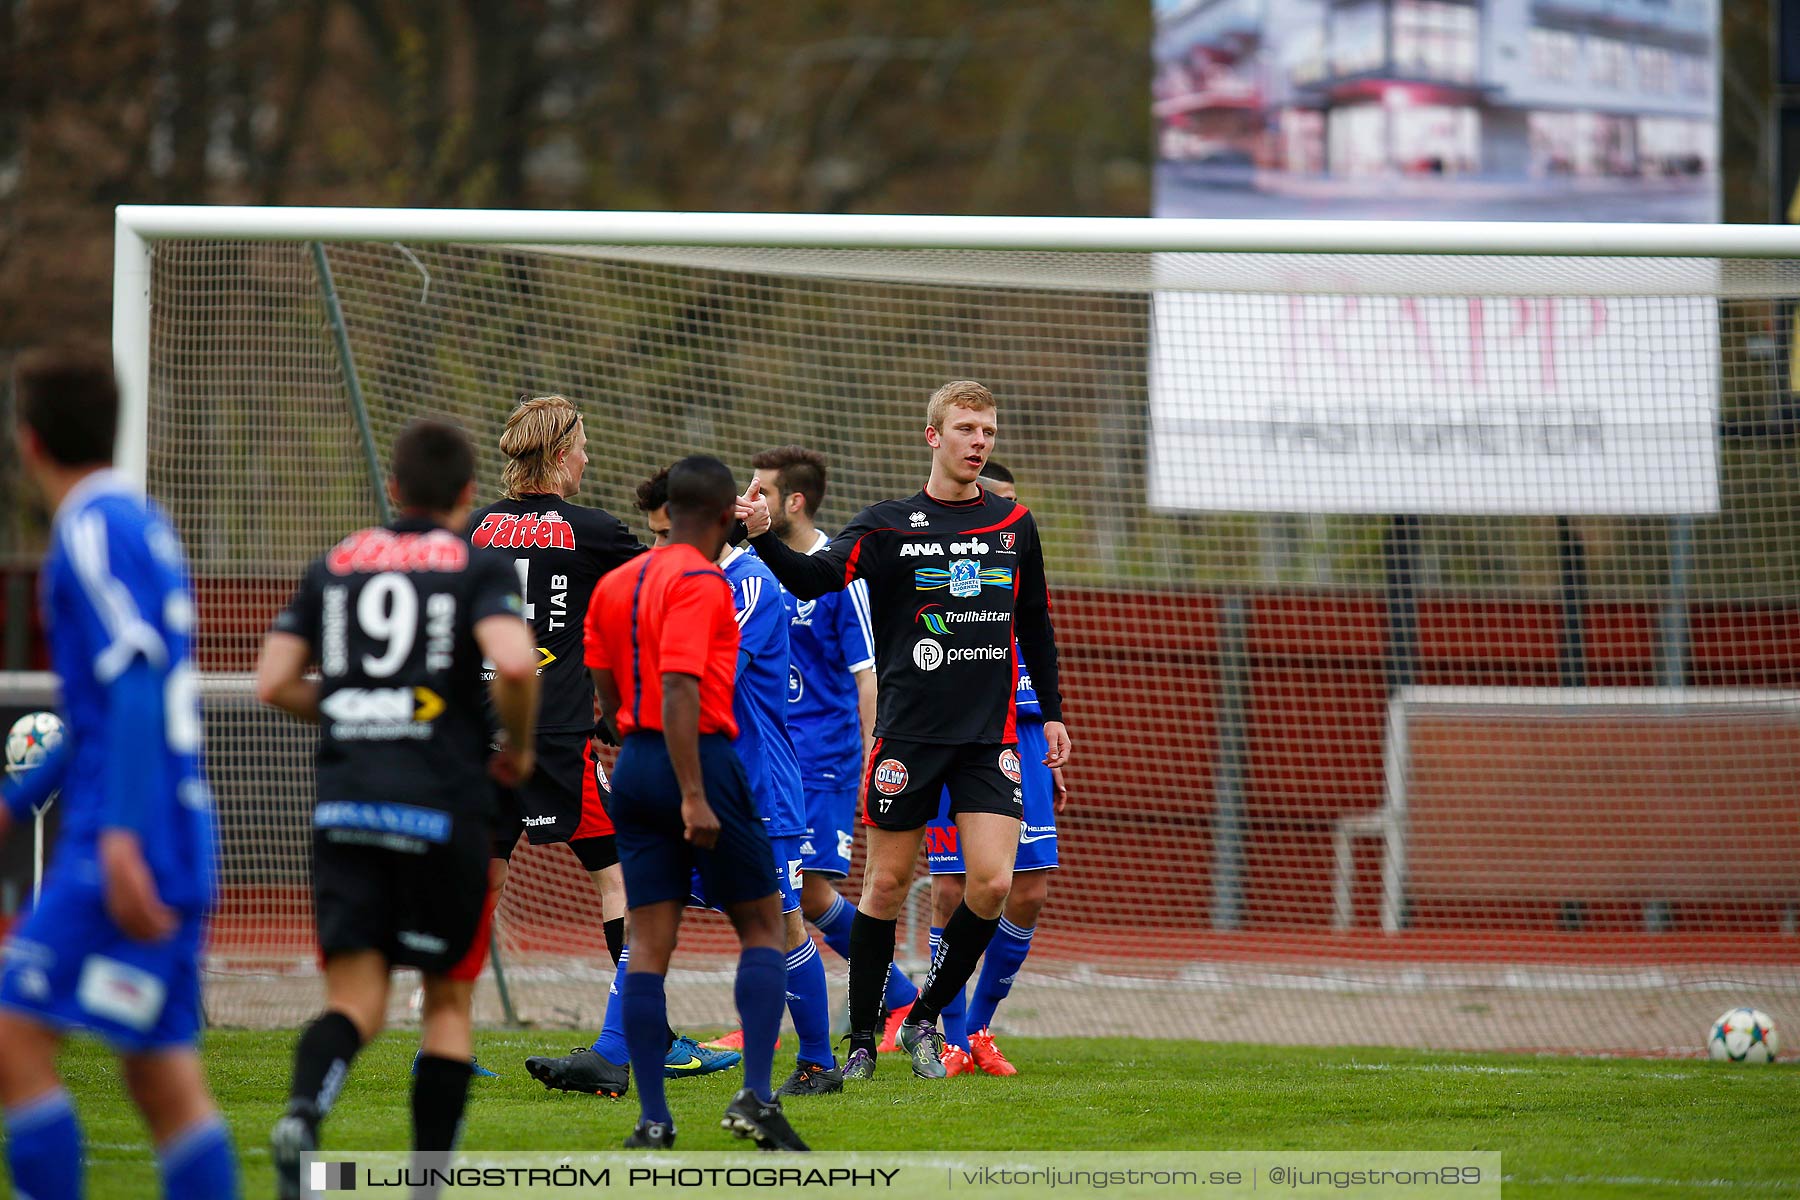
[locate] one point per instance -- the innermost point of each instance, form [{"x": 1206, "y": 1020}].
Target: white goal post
[{"x": 138, "y": 227}]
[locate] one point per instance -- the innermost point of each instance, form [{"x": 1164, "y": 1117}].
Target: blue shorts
[
  {"x": 657, "y": 860},
  {"x": 786, "y": 854},
  {"x": 69, "y": 967},
  {"x": 830, "y": 826},
  {"x": 1037, "y": 831}
]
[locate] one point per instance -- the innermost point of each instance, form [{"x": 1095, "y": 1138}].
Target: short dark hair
[
  {"x": 996, "y": 472},
  {"x": 653, "y": 493},
  {"x": 68, "y": 397},
  {"x": 700, "y": 486},
  {"x": 432, "y": 464},
  {"x": 797, "y": 469}
]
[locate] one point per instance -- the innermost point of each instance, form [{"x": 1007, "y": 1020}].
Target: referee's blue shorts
[{"x": 658, "y": 861}]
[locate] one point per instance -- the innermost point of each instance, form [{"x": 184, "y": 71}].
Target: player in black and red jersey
[
  {"x": 399, "y": 620},
  {"x": 955, "y": 573},
  {"x": 560, "y": 551}
]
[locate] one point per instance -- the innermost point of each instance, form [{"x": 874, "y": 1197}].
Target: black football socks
[
  {"x": 871, "y": 954},
  {"x": 322, "y": 1061},
  {"x": 964, "y": 939},
  {"x": 440, "y": 1091}
]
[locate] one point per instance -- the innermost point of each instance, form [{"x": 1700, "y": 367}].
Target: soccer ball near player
[
  {"x": 31, "y": 740},
  {"x": 1744, "y": 1035}
]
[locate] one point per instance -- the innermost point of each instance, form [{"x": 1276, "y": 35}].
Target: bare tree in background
[{"x": 807, "y": 105}]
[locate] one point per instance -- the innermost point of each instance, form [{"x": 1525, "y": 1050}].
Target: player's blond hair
[
  {"x": 958, "y": 393},
  {"x": 538, "y": 430}
]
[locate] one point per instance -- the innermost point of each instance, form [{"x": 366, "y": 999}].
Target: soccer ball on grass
[
  {"x": 32, "y": 738},
  {"x": 1744, "y": 1035}
]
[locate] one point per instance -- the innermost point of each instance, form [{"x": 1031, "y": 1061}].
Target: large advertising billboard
[
  {"x": 1499, "y": 401},
  {"x": 1506, "y": 110},
  {"x": 1548, "y": 406}
]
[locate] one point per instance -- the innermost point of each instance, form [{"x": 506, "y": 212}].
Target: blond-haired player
[
  {"x": 953, "y": 573},
  {"x": 560, "y": 550}
]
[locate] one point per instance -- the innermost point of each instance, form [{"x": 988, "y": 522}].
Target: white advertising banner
[{"x": 1565, "y": 405}]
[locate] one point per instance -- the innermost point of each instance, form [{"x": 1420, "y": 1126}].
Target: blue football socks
[
  {"x": 199, "y": 1162},
  {"x": 1005, "y": 955},
  {"x": 43, "y": 1148},
  {"x": 809, "y": 1004},
  {"x": 646, "y": 1018},
  {"x": 760, "y": 991},
  {"x": 611, "y": 1044}
]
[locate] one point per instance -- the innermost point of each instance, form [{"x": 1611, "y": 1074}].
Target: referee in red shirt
[{"x": 662, "y": 643}]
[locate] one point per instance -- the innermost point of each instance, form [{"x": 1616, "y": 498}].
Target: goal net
[{"x": 1288, "y": 498}]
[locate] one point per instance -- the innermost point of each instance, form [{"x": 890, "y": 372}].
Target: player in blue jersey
[
  {"x": 113, "y": 946},
  {"x": 970, "y": 1043},
  {"x": 831, "y": 704},
  {"x": 767, "y": 751}
]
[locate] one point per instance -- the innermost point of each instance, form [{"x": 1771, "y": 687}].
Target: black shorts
[
  {"x": 563, "y": 801},
  {"x": 418, "y": 900},
  {"x": 904, "y": 782},
  {"x": 659, "y": 862}
]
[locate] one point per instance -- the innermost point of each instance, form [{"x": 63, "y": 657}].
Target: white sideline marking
[
  {"x": 1469, "y": 1069},
  {"x": 1768, "y": 1185},
  {"x": 144, "y": 1148}
]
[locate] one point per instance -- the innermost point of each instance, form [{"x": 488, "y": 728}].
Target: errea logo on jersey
[{"x": 918, "y": 519}]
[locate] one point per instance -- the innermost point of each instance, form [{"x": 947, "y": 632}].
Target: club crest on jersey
[
  {"x": 964, "y": 577},
  {"x": 1009, "y": 764},
  {"x": 890, "y": 777},
  {"x": 1008, "y": 540},
  {"x": 518, "y": 531}
]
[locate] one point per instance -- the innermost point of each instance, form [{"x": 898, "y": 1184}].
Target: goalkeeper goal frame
[{"x": 139, "y": 227}]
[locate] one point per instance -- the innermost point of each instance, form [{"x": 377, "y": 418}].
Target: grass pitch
[{"x": 1566, "y": 1126}]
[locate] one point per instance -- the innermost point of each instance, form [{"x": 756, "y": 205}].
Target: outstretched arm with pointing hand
[{"x": 808, "y": 576}]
